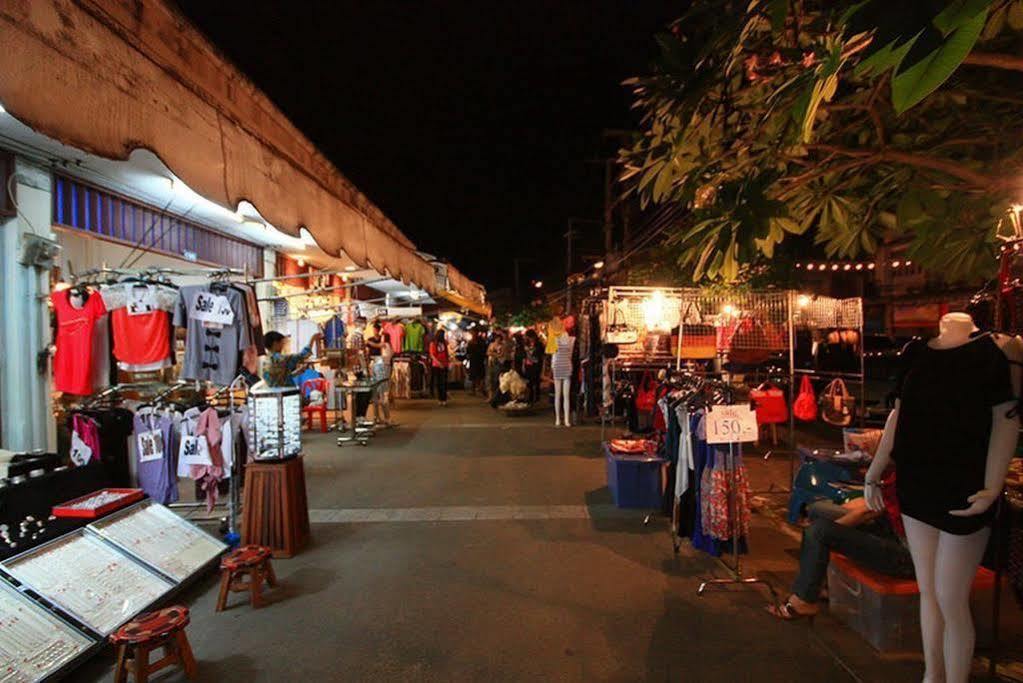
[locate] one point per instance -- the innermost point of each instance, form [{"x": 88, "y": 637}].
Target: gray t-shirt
[{"x": 211, "y": 351}]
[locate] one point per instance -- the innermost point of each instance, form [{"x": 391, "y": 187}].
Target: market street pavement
[{"x": 464, "y": 545}]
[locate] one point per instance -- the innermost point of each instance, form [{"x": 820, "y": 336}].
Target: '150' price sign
[{"x": 731, "y": 424}]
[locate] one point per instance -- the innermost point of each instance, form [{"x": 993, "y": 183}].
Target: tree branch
[
  {"x": 946, "y": 166},
  {"x": 995, "y": 60}
]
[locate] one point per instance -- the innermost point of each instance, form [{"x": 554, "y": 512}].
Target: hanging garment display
[
  {"x": 85, "y": 447},
  {"x": 395, "y": 333},
  {"x": 140, "y": 318},
  {"x": 415, "y": 337},
  {"x": 217, "y": 331},
  {"x": 334, "y": 332},
  {"x": 77, "y": 311},
  {"x": 156, "y": 457},
  {"x": 102, "y": 355},
  {"x": 113, "y": 427}
]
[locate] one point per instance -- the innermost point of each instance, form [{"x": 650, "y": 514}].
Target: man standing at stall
[{"x": 282, "y": 367}]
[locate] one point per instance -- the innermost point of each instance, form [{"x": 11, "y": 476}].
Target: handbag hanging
[
  {"x": 769, "y": 402},
  {"x": 646, "y": 396},
  {"x": 620, "y": 333},
  {"x": 805, "y": 405},
  {"x": 837, "y": 404},
  {"x": 699, "y": 339}
]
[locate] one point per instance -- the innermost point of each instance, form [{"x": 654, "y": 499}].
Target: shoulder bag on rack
[
  {"x": 646, "y": 396},
  {"x": 769, "y": 402},
  {"x": 805, "y": 405},
  {"x": 837, "y": 404},
  {"x": 620, "y": 332},
  {"x": 699, "y": 340}
]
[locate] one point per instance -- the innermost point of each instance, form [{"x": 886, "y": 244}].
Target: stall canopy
[{"x": 112, "y": 76}]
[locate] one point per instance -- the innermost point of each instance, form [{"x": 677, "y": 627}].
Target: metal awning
[{"x": 110, "y": 77}]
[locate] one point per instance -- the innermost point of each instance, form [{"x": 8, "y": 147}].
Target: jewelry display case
[
  {"x": 88, "y": 578},
  {"x": 275, "y": 422},
  {"x": 34, "y": 643},
  {"x": 161, "y": 539}
]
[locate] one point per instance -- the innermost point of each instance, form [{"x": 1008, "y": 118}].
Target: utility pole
[
  {"x": 609, "y": 165},
  {"x": 516, "y": 261},
  {"x": 569, "y": 260}
]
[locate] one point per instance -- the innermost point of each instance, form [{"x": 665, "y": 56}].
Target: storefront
[{"x": 159, "y": 215}]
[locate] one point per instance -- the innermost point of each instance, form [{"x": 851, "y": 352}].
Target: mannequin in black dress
[{"x": 951, "y": 436}]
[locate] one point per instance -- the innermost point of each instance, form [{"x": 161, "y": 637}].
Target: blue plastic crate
[{"x": 634, "y": 481}]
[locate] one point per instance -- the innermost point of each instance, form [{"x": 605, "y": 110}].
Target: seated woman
[{"x": 873, "y": 540}]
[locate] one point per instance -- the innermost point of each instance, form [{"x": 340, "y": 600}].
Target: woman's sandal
[{"x": 786, "y": 612}]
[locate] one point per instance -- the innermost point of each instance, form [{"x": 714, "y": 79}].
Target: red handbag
[
  {"x": 770, "y": 404},
  {"x": 805, "y": 405},
  {"x": 646, "y": 395}
]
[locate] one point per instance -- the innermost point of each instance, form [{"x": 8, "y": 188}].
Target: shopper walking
[{"x": 439, "y": 361}]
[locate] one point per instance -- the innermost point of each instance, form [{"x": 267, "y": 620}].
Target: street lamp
[
  {"x": 598, "y": 265},
  {"x": 538, "y": 284}
]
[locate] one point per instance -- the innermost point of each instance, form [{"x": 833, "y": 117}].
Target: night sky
[{"x": 473, "y": 126}]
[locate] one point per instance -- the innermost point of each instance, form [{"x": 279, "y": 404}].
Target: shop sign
[
  {"x": 404, "y": 311},
  {"x": 732, "y": 424}
]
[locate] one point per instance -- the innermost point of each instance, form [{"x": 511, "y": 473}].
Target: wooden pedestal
[{"x": 275, "y": 510}]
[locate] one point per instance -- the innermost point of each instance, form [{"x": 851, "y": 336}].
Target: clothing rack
[
  {"x": 712, "y": 392},
  {"x": 736, "y": 576},
  {"x": 233, "y": 504}
]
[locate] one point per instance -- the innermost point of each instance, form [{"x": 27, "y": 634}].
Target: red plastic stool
[
  {"x": 245, "y": 569},
  {"x": 147, "y": 632}
]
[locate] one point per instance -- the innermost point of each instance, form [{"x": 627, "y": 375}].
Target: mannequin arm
[
  {"x": 1004, "y": 436},
  {"x": 882, "y": 460}
]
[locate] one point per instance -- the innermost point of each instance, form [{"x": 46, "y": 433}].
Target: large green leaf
[
  {"x": 960, "y": 13},
  {"x": 888, "y": 57},
  {"x": 920, "y": 80}
]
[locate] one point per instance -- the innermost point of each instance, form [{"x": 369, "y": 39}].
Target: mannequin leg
[
  {"x": 557, "y": 403},
  {"x": 957, "y": 562},
  {"x": 923, "y": 546},
  {"x": 566, "y": 396}
]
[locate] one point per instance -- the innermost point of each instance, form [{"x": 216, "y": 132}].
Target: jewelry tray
[
  {"x": 160, "y": 539},
  {"x": 92, "y": 580},
  {"x": 30, "y": 632}
]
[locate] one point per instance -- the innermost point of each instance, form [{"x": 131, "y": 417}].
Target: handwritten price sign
[
  {"x": 731, "y": 424},
  {"x": 212, "y": 308}
]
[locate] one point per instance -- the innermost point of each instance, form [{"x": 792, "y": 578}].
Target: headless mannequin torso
[{"x": 946, "y": 562}]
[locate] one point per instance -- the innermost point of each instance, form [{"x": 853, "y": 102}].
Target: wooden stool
[
  {"x": 147, "y": 632},
  {"x": 245, "y": 569},
  {"x": 275, "y": 512}
]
